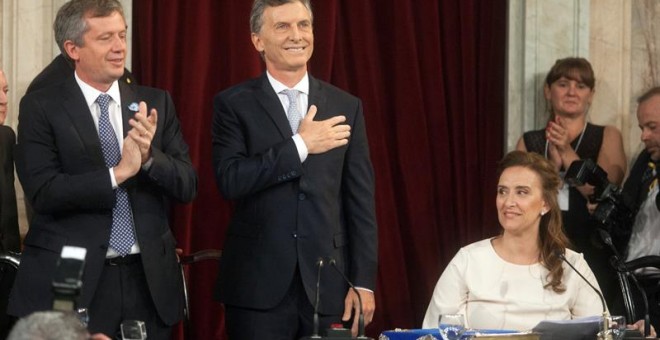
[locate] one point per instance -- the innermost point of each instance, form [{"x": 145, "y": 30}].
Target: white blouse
[{"x": 495, "y": 294}]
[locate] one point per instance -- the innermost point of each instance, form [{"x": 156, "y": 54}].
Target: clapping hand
[{"x": 144, "y": 130}]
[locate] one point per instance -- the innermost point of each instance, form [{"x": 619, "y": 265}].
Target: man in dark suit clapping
[
  {"x": 99, "y": 160},
  {"x": 292, "y": 153}
]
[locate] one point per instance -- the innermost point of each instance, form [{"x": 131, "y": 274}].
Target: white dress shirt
[
  {"x": 115, "y": 116},
  {"x": 303, "y": 100},
  {"x": 114, "y": 109},
  {"x": 644, "y": 235}
]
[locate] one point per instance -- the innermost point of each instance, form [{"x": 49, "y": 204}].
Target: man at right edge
[
  {"x": 641, "y": 191},
  {"x": 301, "y": 193}
]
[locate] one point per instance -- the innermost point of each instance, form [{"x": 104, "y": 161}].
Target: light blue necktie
[
  {"x": 121, "y": 235},
  {"x": 293, "y": 112}
]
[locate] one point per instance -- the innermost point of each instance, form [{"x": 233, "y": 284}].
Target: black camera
[
  {"x": 612, "y": 213},
  {"x": 67, "y": 282}
]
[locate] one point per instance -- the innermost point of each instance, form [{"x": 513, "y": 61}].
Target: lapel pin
[{"x": 134, "y": 107}]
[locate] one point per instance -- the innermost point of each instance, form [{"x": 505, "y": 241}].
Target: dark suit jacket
[
  {"x": 60, "y": 164},
  {"x": 9, "y": 234},
  {"x": 634, "y": 194},
  {"x": 56, "y": 72},
  {"x": 288, "y": 214}
]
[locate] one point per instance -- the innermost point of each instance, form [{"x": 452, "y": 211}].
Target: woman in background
[{"x": 569, "y": 90}]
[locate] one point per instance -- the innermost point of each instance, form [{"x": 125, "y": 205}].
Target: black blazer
[
  {"x": 634, "y": 193},
  {"x": 60, "y": 164},
  {"x": 288, "y": 214},
  {"x": 9, "y": 234}
]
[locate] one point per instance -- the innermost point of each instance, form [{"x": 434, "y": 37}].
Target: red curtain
[{"x": 431, "y": 75}]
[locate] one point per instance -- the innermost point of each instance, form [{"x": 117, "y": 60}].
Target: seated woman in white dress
[{"x": 515, "y": 280}]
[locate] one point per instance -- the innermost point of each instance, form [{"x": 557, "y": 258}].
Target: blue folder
[{"x": 414, "y": 334}]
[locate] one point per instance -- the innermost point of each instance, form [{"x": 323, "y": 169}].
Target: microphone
[
  {"x": 653, "y": 165},
  {"x": 606, "y": 327},
  {"x": 620, "y": 266},
  {"x": 315, "y": 334},
  {"x": 361, "y": 327}
]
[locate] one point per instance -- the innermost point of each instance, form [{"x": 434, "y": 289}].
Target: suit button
[
  {"x": 301, "y": 197},
  {"x": 294, "y": 235}
]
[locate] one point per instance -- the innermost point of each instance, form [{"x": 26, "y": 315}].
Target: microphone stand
[
  {"x": 605, "y": 333},
  {"x": 361, "y": 328},
  {"x": 620, "y": 266},
  {"x": 315, "y": 334}
]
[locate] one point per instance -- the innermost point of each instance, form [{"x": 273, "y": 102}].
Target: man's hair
[
  {"x": 70, "y": 23},
  {"x": 50, "y": 325},
  {"x": 652, "y": 92},
  {"x": 259, "y": 6}
]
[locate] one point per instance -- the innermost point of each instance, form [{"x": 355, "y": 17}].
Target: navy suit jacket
[
  {"x": 60, "y": 165},
  {"x": 289, "y": 214}
]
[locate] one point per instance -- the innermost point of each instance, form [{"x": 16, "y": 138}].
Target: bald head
[
  {"x": 4, "y": 89},
  {"x": 648, "y": 116}
]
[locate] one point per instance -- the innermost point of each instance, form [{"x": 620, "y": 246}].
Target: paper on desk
[
  {"x": 577, "y": 329},
  {"x": 586, "y": 319}
]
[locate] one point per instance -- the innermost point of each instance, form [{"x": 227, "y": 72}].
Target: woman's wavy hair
[{"x": 552, "y": 239}]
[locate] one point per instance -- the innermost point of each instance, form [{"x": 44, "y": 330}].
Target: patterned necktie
[
  {"x": 654, "y": 182},
  {"x": 121, "y": 235},
  {"x": 293, "y": 113},
  {"x": 649, "y": 179}
]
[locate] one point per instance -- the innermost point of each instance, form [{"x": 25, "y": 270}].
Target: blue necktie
[
  {"x": 293, "y": 113},
  {"x": 121, "y": 235}
]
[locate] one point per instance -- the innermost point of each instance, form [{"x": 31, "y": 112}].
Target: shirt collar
[
  {"x": 91, "y": 94},
  {"x": 302, "y": 86}
]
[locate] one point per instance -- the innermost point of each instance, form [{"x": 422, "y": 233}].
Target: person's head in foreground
[{"x": 51, "y": 325}]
